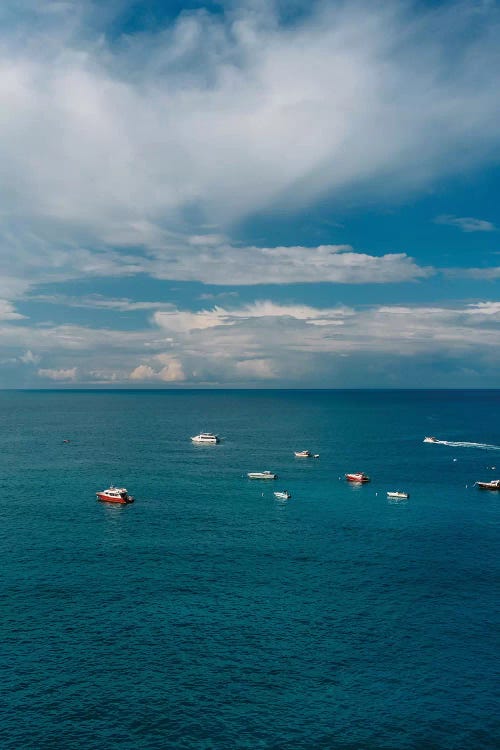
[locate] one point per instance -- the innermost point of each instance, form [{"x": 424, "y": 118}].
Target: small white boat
[
  {"x": 305, "y": 454},
  {"x": 398, "y": 495},
  {"x": 430, "y": 440},
  {"x": 284, "y": 495},
  {"x": 205, "y": 438},
  {"x": 262, "y": 475}
]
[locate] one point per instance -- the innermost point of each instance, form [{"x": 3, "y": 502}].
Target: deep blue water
[{"x": 208, "y": 615}]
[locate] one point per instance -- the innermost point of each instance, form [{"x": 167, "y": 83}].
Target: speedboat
[
  {"x": 430, "y": 440},
  {"x": 115, "y": 495},
  {"x": 360, "y": 477},
  {"x": 261, "y": 475},
  {"x": 303, "y": 454},
  {"x": 206, "y": 438},
  {"x": 398, "y": 495},
  {"x": 493, "y": 485},
  {"x": 282, "y": 495}
]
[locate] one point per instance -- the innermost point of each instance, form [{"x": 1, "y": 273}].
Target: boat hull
[
  {"x": 357, "y": 478},
  {"x": 103, "y": 498},
  {"x": 256, "y": 475},
  {"x": 488, "y": 486}
]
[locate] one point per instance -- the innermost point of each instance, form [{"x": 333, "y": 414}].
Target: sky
[{"x": 249, "y": 194}]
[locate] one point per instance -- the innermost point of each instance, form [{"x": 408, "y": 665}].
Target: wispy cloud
[
  {"x": 60, "y": 375},
  {"x": 466, "y": 223}
]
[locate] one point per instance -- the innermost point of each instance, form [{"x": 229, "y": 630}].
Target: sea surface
[{"x": 210, "y": 616}]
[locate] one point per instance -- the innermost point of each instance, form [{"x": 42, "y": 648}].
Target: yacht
[
  {"x": 398, "y": 495},
  {"x": 115, "y": 495},
  {"x": 360, "y": 477},
  {"x": 206, "y": 438},
  {"x": 493, "y": 485},
  {"x": 262, "y": 475}
]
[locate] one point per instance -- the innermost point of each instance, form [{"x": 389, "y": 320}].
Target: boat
[
  {"x": 398, "y": 495},
  {"x": 430, "y": 440},
  {"x": 284, "y": 495},
  {"x": 303, "y": 454},
  {"x": 494, "y": 484},
  {"x": 359, "y": 477},
  {"x": 115, "y": 495},
  {"x": 205, "y": 438},
  {"x": 262, "y": 475}
]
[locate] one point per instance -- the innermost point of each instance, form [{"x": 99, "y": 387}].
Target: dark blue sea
[{"x": 210, "y": 616}]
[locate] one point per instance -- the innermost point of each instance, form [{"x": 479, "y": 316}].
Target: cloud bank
[{"x": 137, "y": 140}]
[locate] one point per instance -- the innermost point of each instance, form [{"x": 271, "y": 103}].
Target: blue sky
[{"x": 249, "y": 194}]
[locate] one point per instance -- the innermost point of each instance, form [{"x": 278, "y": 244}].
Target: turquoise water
[{"x": 208, "y": 615}]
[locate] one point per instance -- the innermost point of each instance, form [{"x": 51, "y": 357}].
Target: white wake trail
[{"x": 483, "y": 446}]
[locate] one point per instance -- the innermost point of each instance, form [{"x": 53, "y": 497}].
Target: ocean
[{"x": 210, "y": 616}]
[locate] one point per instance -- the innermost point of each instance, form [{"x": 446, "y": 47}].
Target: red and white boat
[
  {"x": 360, "y": 477},
  {"x": 115, "y": 495},
  {"x": 493, "y": 485}
]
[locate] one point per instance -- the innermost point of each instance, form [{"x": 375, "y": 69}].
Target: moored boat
[
  {"x": 359, "y": 477},
  {"x": 262, "y": 475},
  {"x": 115, "y": 495},
  {"x": 494, "y": 484},
  {"x": 398, "y": 495},
  {"x": 303, "y": 454},
  {"x": 284, "y": 495},
  {"x": 205, "y": 438}
]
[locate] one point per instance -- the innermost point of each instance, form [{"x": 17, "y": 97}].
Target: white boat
[
  {"x": 284, "y": 495},
  {"x": 303, "y": 454},
  {"x": 430, "y": 440},
  {"x": 493, "y": 484},
  {"x": 262, "y": 475},
  {"x": 398, "y": 495},
  {"x": 206, "y": 438}
]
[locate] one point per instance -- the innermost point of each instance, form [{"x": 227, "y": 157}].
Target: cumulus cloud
[
  {"x": 466, "y": 223},
  {"x": 171, "y": 372},
  {"x": 28, "y": 358},
  {"x": 8, "y": 312}
]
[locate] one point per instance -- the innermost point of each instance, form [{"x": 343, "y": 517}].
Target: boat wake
[{"x": 463, "y": 444}]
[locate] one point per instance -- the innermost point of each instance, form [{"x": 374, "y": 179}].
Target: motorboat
[
  {"x": 430, "y": 440},
  {"x": 205, "y": 438},
  {"x": 305, "y": 454},
  {"x": 284, "y": 495},
  {"x": 398, "y": 495},
  {"x": 494, "y": 484},
  {"x": 359, "y": 477},
  {"x": 262, "y": 475},
  {"x": 115, "y": 495}
]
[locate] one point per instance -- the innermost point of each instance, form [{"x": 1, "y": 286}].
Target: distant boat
[
  {"x": 206, "y": 438},
  {"x": 284, "y": 495},
  {"x": 493, "y": 485},
  {"x": 430, "y": 440},
  {"x": 398, "y": 495},
  {"x": 360, "y": 477},
  {"x": 305, "y": 454},
  {"x": 262, "y": 475},
  {"x": 115, "y": 495}
]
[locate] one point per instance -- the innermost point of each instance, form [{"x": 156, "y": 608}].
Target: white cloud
[
  {"x": 489, "y": 274},
  {"x": 8, "y": 312},
  {"x": 220, "y": 116},
  {"x": 171, "y": 372},
  {"x": 69, "y": 374},
  {"x": 28, "y": 358},
  {"x": 466, "y": 223}
]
